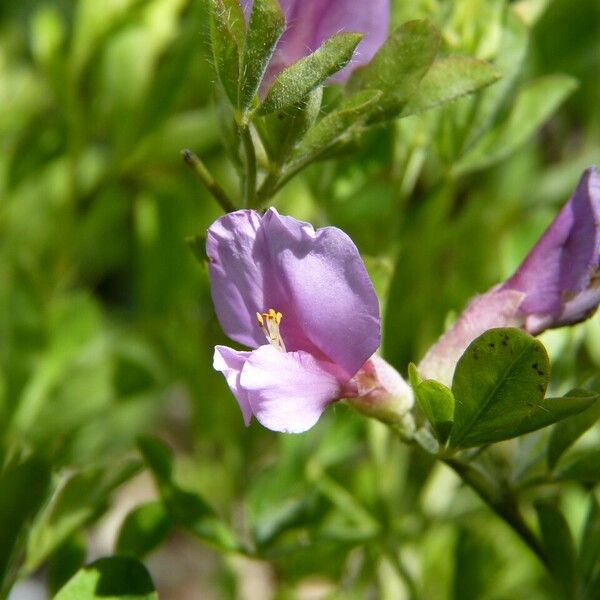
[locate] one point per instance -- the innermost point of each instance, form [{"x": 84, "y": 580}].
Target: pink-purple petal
[
  {"x": 236, "y": 268},
  {"x": 330, "y": 315},
  {"x": 309, "y": 23},
  {"x": 327, "y": 290},
  {"x": 245, "y": 280},
  {"x": 496, "y": 308},
  {"x": 288, "y": 392},
  {"x": 371, "y": 18},
  {"x": 559, "y": 277},
  {"x": 316, "y": 279},
  {"x": 230, "y": 362}
]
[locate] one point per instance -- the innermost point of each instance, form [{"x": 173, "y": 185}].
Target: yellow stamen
[{"x": 269, "y": 323}]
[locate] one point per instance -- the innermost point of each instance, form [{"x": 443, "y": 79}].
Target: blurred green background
[{"x": 107, "y": 326}]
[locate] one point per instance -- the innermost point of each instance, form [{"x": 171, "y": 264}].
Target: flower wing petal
[
  {"x": 564, "y": 262},
  {"x": 230, "y": 362},
  {"x": 288, "y": 392},
  {"x": 326, "y": 288},
  {"x": 236, "y": 270}
]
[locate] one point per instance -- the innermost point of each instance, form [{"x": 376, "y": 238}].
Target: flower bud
[{"x": 557, "y": 284}]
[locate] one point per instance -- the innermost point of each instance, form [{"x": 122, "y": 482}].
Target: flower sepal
[{"x": 382, "y": 393}]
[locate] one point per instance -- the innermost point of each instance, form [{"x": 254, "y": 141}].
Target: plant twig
[
  {"x": 208, "y": 180},
  {"x": 501, "y": 503}
]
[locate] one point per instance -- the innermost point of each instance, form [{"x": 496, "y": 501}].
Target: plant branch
[
  {"x": 208, "y": 180},
  {"x": 503, "y": 504}
]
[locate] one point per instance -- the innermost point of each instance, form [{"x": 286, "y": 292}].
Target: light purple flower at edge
[
  {"x": 302, "y": 301},
  {"x": 557, "y": 284},
  {"x": 311, "y": 22}
]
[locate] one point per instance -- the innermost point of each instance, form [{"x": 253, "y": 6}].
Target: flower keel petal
[
  {"x": 288, "y": 392},
  {"x": 230, "y": 362}
]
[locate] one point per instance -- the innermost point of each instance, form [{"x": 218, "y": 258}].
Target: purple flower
[
  {"x": 311, "y": 22},
  {"x": 557, "y": 284},
  {"x": 561, "y": 275},
  {"x": 303, "y": 301}
]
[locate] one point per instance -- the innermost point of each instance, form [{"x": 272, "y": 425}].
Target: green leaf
[
  {"x": 399, "y": 65},
  {"x": 436, "y": 401},
  {"x": 300, "y": 78},
  {"x": 112, "y": 578},
  {"x": 282, "y": 130},
  {"x": 448, "y": 79},
  {"x": 235, "y": 18},
  {"x": 282, "y": 516},
  {"x": 158, "y": 457},
  {"x": 476, "y": 564},
  {"x": 81, "y": 498},
  {"x": 265, "y": 27},
  {"x": 566, "y": 433},
  {"x": 227, "y": 127},
  {"x": 509, "y": 63},
  {"x": 66, "y": 561},
  {"x": 510, "y": 391},
  {"x": 499, "y": 386},
  {"x": 337, "y": 125},
  {"x": 583, "y": 466},
  {"x": 590, "y": 545},
  {"x": 23, "y": 490},
  {"x": 192, "y": 512},
  {"x": 552, "y": 410},
  {"x": 224, "y": 30},
  {"x": 533, "y": 106},
  {"x": 186, "y": 509},
  {"x": 144, "y": 529},
  {"x": 558, "y": 545}
]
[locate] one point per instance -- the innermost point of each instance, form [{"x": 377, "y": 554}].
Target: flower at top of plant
[
  {"x": 557, "y": 284},
  {"x": 312, "y": 22},
  {"x": 303, "y": 301}
]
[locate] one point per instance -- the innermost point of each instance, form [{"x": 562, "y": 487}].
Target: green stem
[
  {"x": 249, "y": 179},
  {"x": 269, "y": 186},
  {"x": 277, "y": 179},
  {"x": 208, "y": 180},
  {"x": 501, "y": 502}
]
